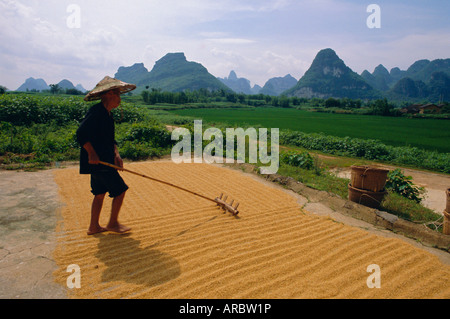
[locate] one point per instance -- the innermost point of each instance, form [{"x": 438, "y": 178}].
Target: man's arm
[
  {"x": 84, "y": 134},
  {"x": 117, "y": 159},
  {"x": 92, "y": 154}
]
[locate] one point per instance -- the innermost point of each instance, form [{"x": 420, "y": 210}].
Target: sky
[{"x": 83, "y": 41}]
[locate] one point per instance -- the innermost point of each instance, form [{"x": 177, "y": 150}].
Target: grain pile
[{"x": 182, "y": 246}]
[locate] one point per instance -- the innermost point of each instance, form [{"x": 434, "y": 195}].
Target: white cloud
[
  {"x": 206, "y": 34},
  {"x": 231, "y": 41},
  {"x": 261, "y": 6},
  {"x": 41, "y": 48}
]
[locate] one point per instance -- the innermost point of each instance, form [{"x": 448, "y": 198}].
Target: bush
[
  {"x": 22, "y": 109},
  {"x": 298, "y": 159},
  {"x": 19, "y": 109},
  {"x": 402, "y": 185},
  {"x": 139, "y": 151},
  {"x": 129, "y": 113},
  {"x": 151, "y": 133},
  {"x": 38, "y": 143}
]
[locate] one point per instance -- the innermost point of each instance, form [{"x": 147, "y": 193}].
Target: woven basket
[
  {"x": 365, "y": 197},
  {"x": 369, "y": 178},
  {"x": 447, "y": 209},
  {"x": 446, "y": 229}
]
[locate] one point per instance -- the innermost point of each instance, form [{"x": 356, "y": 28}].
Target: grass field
[{"x": 429, "y": 134}]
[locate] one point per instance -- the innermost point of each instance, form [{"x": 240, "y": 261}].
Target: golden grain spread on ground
[{"x": 182, "y": 246}]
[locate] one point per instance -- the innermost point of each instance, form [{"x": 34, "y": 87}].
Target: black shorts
[{"x": 110, "y": 182}]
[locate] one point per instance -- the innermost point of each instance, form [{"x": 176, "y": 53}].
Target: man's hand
[
  {"x": 118, "y": 161},
  {"x": 92, "y": 154},
  {"x": 93, "y": 158}
]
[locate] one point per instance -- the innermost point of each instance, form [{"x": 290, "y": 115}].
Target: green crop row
[
  {"x": 28, "y": 109},
  {"x": 429, "y": 134},
  {"x": 368, "y": 149},
  {"x": 22, "y": 109}
]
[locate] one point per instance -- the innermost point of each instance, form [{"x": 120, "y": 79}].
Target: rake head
[{"x": 222, "y": 202}]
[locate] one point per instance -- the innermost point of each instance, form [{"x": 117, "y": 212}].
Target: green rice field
[{"x": 429, "y": 134}]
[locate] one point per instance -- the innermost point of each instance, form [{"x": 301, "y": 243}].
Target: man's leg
[
  {"x": 96, "y": 208},
  {"x": 114, "y": 224}
]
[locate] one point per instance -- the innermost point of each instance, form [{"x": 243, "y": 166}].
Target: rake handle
[{"x": 156, "y": 180}]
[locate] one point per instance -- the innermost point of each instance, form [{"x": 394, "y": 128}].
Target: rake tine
[
  {"x": 235, "y": 212},
  {"x": 227, "y": 207}
]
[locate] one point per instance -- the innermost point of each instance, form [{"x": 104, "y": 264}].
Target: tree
[
  {"x": 3, "y": 89},
  {"x": 73, "y": 92},
  {"x": 231, "y": 97},
  {"x": 275, "y": 101},
  {"x": 295, "y": 101},
  {"x": 382, "y": 107},
  {"x": 331, "y": 102},
  {"x": 54, "y": 88},
  {"x": 284, "y": 101},
  {"x": 446, "y": 109},
  {"x": 145, "y": 96},
  {"x": 241, "y": 98},
  {"x": 316, "y": 102}
]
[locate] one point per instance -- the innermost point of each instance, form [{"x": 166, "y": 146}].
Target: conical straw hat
[{"x": 107, "y": 84}]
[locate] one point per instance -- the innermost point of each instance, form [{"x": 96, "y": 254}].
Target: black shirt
[{"x": 98, "y": 128}]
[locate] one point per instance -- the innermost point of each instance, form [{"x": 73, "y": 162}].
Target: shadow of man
[{"x": 128, "y": 262}]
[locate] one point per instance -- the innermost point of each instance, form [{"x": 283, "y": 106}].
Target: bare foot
[
  {"x": 118, "y": 228},
  {"x": 96, "y": 230}
]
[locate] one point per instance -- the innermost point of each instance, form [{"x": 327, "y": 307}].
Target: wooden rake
[{"x": 220, "y": 201}]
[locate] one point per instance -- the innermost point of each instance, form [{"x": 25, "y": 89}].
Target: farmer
[{"x": 96, "y": 137}]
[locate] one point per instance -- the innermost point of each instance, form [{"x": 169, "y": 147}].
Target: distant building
[
  {"x": 411, "y": 109},
  {"x": 422, "y": 108},
  {"x": 432, "y": 108}
]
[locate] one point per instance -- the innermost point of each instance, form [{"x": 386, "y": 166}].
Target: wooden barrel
[
  {"x": 369, "y": 178},
  {"x": 447, "y": 209},
  {"x": 365, "y": 197},
  {"x": 446, "y": 229}
]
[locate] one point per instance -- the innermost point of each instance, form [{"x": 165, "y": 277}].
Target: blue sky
[{"x": 257, "y": 39}]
